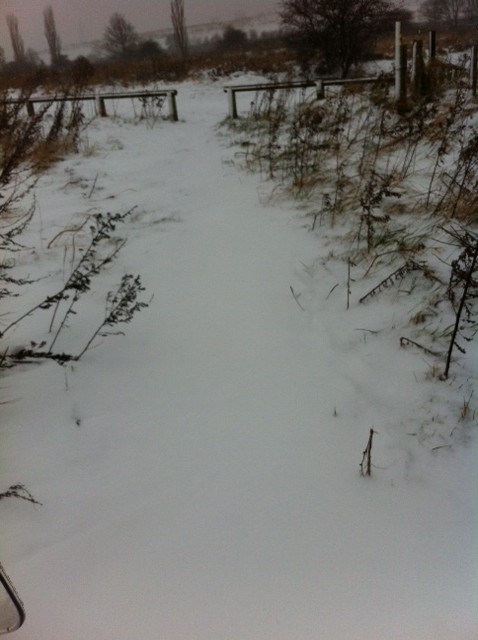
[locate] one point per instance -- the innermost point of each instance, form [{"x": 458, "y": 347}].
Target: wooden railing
[
  {"x": 100, "y": 100},
  {"x": 319, "y": 85}
]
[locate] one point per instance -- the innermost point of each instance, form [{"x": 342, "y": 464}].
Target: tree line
[
  {"x": 120, "y": 39},
  {"x": 332, "y": 35}
]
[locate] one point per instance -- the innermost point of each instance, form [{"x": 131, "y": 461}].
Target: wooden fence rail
[
  {"x": 100, "y": 99},
  {"x": 319, "y": 86},
  {"x": 231, "y": 90}
]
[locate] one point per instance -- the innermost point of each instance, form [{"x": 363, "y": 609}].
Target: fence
[
  {"x": 319, "y": 86},
  {"x": 400, "y": 78},
  {"x": 420, "y": 75},
  {"x": 100, "y": 100}
]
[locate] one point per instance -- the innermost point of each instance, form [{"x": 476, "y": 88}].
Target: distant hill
[{"x": 259, "y": 24}]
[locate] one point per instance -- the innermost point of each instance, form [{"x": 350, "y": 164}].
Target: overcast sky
[{"x": 79, "y": 20}]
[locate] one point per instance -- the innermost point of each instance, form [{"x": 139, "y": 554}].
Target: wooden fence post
[
  {"x": 100, "y": 105},
  {"x": 320, "y": 89},
  {"x": 173, "y": 108},
  {"x": 417, "y": 67},
  {"x": 400, "y": 66},
  {"x": 30, "y": 108},
  {"x": 431, "y": 45},
  {"x": 231, "y": 96},
  {"x": 401, "y": 77},
  {"x": 403, "y": 72},
  {"x": 473, "y": 69}
]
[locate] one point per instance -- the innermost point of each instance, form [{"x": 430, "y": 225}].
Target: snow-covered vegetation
[{"x": 199, "y": 472}]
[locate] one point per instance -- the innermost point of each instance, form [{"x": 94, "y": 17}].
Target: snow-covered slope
[{"x": 199, "y": 476}]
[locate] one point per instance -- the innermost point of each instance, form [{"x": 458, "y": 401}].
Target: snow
[{"x": 200, "y": 475}]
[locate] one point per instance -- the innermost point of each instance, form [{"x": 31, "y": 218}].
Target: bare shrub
[
  {"x": 462, "y": 293},
  {"x": 18, "y": 134}
]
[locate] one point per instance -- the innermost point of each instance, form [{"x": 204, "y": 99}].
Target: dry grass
[
  {"x": 46, "y": 153},
  {"x": 163, "y": 69}
]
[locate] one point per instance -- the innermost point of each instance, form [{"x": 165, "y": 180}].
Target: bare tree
[
  {"x": 120, "y": 37},
  {"x": 18, "y": 45},
  {"x": 233, "y": 38},
  {"x": 32, "y": 58},
  {"x": 342, "y": 31},
  {"x": 471, "y": 12},
  {"x": 52, "y": 37},
  {"x": 179, "y": 27},
  {"x": 445, "y": 11}
]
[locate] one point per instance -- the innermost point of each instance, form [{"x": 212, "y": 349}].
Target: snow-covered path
[{"x": 196, "y": 481}]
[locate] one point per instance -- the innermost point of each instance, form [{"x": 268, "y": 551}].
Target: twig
[
  {"x": 93, "y": 187},
  {"x": 25, "y": 354},
  {"x": 404, "y": 342},
  {"x": 332, "y": 290},
  {"x": 468, "y": 283},
  {"x": 296, "y": 298},
  {"x": 74, "y": 299},
  {"x": 398, "y": 274},
  {"x": 366, "y": 464},
  {"x": 124, "y": 305},
  {"x": 3, "y": 357},
  {"x": 69, "y": 230},
  {"x": 349, "y": 267},
  {"x": 19, "y": 491}
]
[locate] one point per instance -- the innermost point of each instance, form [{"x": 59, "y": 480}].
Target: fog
[{"x": 84, "y": 20}]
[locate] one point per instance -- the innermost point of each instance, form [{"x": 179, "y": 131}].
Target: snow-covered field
[{"x": 200, "y": 475}]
